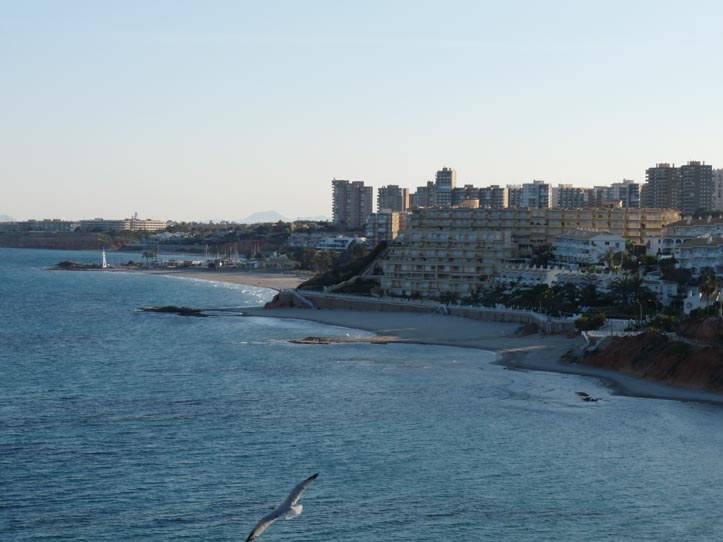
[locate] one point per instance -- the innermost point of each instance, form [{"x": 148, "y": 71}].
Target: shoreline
[
  {"x": 529, "y": 353},
  {"x": 536, "y": 352}
]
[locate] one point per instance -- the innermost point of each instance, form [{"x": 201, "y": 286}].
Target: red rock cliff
[{"x": 656, "y": 357}]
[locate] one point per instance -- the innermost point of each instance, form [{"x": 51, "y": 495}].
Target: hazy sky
[{"x": 214, "y": 110}]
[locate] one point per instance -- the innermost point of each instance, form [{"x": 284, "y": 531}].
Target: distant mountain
[
  {"x": 264, "y": 216},
  {"x": 6, "y": 218}
]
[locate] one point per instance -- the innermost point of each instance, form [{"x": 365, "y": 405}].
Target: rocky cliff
[
  {"x": 709, "y": 330},
  {"x": 656, "y": 357}
]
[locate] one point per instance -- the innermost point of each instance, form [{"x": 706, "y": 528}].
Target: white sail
[{"x": 105, "y": 262}]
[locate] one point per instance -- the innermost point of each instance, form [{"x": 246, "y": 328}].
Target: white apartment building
[
  {"x": 127, "y": 224},
  {"x": 698, "y": 254},
  {"x": 679, "y": 231},
  {"x": 524, "y": 275},
  {"x": 580, "y": 248}
]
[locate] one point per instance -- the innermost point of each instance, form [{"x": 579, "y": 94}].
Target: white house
[
  {"x": 665, "y": 290},
  {"x": 524, "y": 275},
  {"x": 338, "y": 243},
  {"x": 696, "y": 300}
]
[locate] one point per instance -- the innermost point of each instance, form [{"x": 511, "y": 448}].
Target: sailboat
[{"x": 104, "y": 265}]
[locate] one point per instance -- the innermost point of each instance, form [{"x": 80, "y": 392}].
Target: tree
[
  {"x": 448, "y": 298},
  {"x": 589, "y": 293},
  {"x": 669, "y": 271},
  {"x": 323, "y": 261},
  {"x": 609, "y": 258},
  {"x": 541, "y": 255},
  {"x": 474, "y": 297},
  {"x": 624, "y": 290},
  {"x": 149, "y": 255},
  {"x": 707, "y": 284},
  {"x": 590, "y": 321}
]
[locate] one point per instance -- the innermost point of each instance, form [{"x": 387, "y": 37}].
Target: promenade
[{"x": 333, "y": 301}]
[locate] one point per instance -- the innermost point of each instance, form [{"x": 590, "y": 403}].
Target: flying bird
[{"x": 288, "y": 508}]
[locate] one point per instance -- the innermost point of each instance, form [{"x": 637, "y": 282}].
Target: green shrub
[{"x": 590, "y": 321}]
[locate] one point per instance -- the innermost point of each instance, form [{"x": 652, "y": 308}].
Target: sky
[{"x": 215, "y": 110}]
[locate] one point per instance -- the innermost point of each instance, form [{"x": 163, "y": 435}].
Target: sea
[{"x": 117, "y": 424}]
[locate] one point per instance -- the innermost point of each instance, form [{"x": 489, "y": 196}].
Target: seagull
[{"x": 288, "y": 508}]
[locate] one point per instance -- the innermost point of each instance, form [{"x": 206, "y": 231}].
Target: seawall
[{"x": 319, "y": 300}]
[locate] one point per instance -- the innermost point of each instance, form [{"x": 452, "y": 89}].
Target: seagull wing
[
  {"x": 264, "y": 523},
  {"x": 295, "y": 494}
]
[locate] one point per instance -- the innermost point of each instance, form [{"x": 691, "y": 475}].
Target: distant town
[{"x": 648, "y": 251}]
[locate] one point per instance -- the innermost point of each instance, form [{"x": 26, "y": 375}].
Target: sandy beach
[
  {"x": 532, "y": 352},
  {"x": 273, "y": 281}
]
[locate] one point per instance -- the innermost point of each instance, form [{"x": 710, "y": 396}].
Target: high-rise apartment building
[
  {"x": 569, "y": 197},
  {"x": 596, "y": 196},
  {"x": 536, "y": 195},
  {"x": 445, "y": 182},
  {"x": 464, "y": 193},
  {"x": 425, "y": 196},
  {"x": 384, "y": 226},
  {"x": 717, "y": 190},
  {"x": 392, "y": 198},
  {"x": 514, "y": 195},
  {"x": 351, "y": 202},
  {"x": 696, "y": 187},
  {"x": 494, "y": 197},
  {"x": 662, "y": 187},
  {"x": 626, "y": 192}
]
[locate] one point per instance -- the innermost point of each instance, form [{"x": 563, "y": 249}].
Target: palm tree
[
  {"x": 625, "y": 289},
  {"x": 148, "y": 256},
  {"x": 707, "y": 285}
]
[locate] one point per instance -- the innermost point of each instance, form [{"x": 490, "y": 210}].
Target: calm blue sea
[{"x": 122, "y": 425}]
